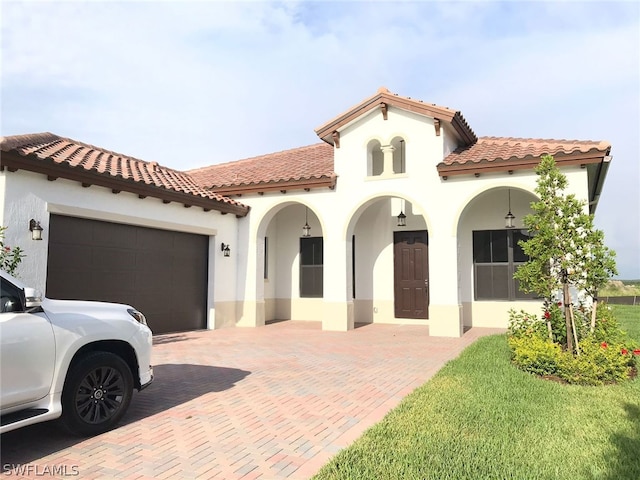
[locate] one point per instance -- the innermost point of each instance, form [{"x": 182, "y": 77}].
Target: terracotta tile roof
[
  {"x": 383, "y": 98},
  {"x": 509, "y": 153},
  {"x": 303, "y": 167},
  {"x": 66, "y": 158}
]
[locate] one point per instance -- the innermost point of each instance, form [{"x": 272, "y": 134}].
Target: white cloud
[{"x": 194, "y": 83}]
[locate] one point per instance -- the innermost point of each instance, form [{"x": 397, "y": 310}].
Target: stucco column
[
  {"x": 387, "y": 166},
  {"x": 250, "y": 286},
  {"x": 337, "y": 306},
  {"x": 445, "y": 310}
]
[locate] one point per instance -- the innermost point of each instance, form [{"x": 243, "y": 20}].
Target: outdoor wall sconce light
[
  {"x": 508, "y": 220},
  {"x": 36, "y": 230},
  {"x": 306, "y": 230},
  {"x": 226, "y": 249},
  {"x": 402, "y": 219}
]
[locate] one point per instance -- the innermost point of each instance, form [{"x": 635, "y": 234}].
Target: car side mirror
[{"x": 33, "y": 298}]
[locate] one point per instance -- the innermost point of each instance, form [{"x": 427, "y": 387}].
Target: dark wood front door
[{"x": 411, "y": 274}]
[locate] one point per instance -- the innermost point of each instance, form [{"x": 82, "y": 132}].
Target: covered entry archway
[
  {"x": 489, "y": 254},
  {"x": 291, "y": 262},
  {"x": 389, "y": 274}
]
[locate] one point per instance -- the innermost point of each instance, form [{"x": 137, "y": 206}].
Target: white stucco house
[{"x": 397, "y": 215}]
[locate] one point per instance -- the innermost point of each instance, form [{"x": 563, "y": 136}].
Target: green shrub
[
  {"x": 599, "y": 363},
  {"x": 523, "y": 324},
  {"x": 606, "y": 354},
  {"x": 535, "y": 354},
  {"x": 558, "y": 325}
]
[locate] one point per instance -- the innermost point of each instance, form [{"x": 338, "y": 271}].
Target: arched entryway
[
  {"x": 489, "y": 253},
  {"x": 389, "y": 261},
  {"x": 290, "y": 255}
]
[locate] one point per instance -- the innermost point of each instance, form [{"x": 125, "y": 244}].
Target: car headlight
[{"x": 137, "y": 315}]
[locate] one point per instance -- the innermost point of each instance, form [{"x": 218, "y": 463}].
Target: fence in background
[{"x": 629, "y": 300}]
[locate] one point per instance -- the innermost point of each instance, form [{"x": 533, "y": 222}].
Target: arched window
[
  {"x": 399, "y": 155},
  {"x": 375, "y": 159},
  {"x": 386, "y": 160}
]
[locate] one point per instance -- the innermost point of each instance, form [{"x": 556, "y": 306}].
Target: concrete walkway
[{"x": 270, "y": 403}]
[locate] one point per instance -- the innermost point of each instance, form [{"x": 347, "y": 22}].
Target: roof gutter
[
  {"x": 594, "y": 196},
  {"x": 281, "y": 186}
]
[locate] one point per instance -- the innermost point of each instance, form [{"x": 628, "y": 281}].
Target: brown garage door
[{"x": 160, "y": 272}]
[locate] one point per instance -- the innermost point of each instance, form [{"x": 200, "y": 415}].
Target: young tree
[
  {"x": 602, "y": 267},
  {"x": 565, "y": 249}
]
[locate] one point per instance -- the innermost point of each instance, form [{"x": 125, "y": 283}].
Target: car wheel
[{"x": 96, "y": 393}]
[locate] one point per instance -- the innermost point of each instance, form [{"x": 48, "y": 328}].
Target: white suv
[{"x": 74, "y": 360}]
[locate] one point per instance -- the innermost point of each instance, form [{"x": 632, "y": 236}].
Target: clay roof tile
[
  {"x": 508, "y": 153},
  {"x": 77, "y": 155},
  {"x": 490, "y": 149},
  {"x": 303, "y": 163}
]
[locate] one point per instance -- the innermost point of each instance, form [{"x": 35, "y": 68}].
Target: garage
[{"x": 162, "y": 273}]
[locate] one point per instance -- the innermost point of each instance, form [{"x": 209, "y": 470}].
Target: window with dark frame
[
  {"x": 353, "y": 265},
  {"x": 311, "y": 267},
  {"x": 266, "y": 258},
  {"x": 496, "y": 257}
]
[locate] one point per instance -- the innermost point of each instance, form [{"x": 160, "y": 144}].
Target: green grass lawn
[
  {"x": 629, "y": 318},
  {"x": 480, "y": 418}
]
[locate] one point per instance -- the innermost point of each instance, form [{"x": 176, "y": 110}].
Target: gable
[{"x": 382, "y": 100}]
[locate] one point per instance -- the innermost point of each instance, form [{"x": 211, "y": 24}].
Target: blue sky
[{"x": 190, "y": 84}]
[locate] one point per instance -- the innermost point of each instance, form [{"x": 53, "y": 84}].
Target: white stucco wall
[
  {"x": 27, "y": 195},
  {"x": 367, "y": 206},
  {"x": 421, "y": 144},
  {"x": 361, "y": 204},
  {"x": 485, "y": 202}
]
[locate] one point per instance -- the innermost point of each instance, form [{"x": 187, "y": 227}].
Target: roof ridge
[{"x": 415, "y": 100}]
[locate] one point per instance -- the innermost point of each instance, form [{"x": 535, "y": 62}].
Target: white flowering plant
[{"x": 566, "y": 253}]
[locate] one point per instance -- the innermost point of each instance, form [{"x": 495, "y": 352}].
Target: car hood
[{"x": 97, "y": 309}]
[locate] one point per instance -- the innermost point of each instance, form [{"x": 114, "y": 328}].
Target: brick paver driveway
[{"x": 271, "y": 402}]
